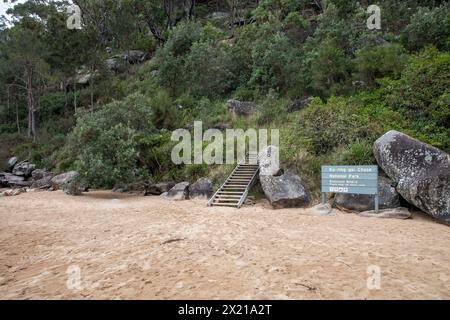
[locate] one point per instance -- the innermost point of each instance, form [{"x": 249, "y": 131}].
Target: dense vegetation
[{"x": 116, "y": 128}]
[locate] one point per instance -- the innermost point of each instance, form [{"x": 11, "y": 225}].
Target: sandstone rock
[
  {"x": 286, "y": 191},
  {"x": 179, "y": 192},
  {"x": 202, "y": 189},
  {"x": 12, "y": 162},
  {"x": 269, "y": 161},
  {"x": 39, "y": 174},
  {"x": 393, "y": 213},
  {"x": 59, "y": 181},
  {"x": 421, "y": 172},
  {"x": 241, "y": 108},
  {"x": 158, "y": 188},
  {"x": 23, "y": 169},
  {"x": 388, "y": 198}
]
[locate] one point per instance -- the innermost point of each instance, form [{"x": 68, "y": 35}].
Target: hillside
[{"x": 105, "y": 98}]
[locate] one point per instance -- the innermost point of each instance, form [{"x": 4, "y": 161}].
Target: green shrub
[
  {"x": 104, "y": 142},
  {"x": 377, "y": 62},
  {"x": 429, "y": 26}
]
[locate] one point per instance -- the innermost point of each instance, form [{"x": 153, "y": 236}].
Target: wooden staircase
[{"x": 234, "y": 191}]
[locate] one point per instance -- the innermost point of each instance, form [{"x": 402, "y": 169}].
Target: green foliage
[
  {"x": 104, "y": 142},
  {"x": 423, "y": 83},
  {"x": 429, "y": 26},
  {"x": 273, "y": 61},
  {"x": 378, "y": 62}
]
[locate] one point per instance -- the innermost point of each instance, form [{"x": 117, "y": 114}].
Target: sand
[{"x": 105, "y": 245}]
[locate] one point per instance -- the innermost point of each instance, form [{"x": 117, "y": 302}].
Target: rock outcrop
[
  {"x": 202, "y": 189},
  {"x": 420, "y": 171},
  {"x": 388, "y": 198},
  {"x": 285, "y": 191},
  {"x": 241, "y": 108}
]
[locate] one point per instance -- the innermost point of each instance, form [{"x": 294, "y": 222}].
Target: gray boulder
[
  {"x": 12, "y": 162},
  {"x": 388, "y": 198},
  {"x": 269, "y": 161},
  {"x": 23, "y": 169},
  {"x": 179, "y": 192},
  {"x": 286, "y": 191},
  {"x": 202, "y": 189},
  {"x": 158, "y": 188},
  {"x": 299, "y": 104},
  {"x": 421, "y": 172},
  {"x": 241, "y": 108},
  {"x": 59, "y": 181}
]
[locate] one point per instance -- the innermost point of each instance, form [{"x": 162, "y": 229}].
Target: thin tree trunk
[
  {"x": 91, "y": 86},
  {"x": 75, "y": 95}
]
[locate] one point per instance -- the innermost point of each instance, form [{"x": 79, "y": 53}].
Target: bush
[
  {"x": 375, "y": 63},
  {"x": 332, "y": 124},
  {"x": 429, "y": 27},
  {"x": 423, "y": 83},
  {"x": 273, "y": 63},
  {"x": 104, "y": 142}
]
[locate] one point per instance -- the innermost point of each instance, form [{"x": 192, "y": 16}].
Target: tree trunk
[
  {"x": 91, "y": 86},
  {"x": 75, "y": 95},
  {"x": 31, "y": 107}
]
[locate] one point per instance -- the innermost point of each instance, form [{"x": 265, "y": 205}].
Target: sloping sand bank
[{"x": 115, "y": 246}]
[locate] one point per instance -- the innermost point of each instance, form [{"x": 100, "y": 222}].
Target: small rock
[{"x": 396, "y": 213}]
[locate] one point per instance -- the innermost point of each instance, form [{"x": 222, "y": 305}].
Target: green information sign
[{"x": 350, "y": 179}]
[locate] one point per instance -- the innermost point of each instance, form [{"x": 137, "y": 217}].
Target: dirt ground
[{"x": 106, "y": 245}]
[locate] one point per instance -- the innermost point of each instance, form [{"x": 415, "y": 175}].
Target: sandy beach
[{"x": 105, "y": 245}]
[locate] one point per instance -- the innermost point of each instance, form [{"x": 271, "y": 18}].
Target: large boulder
[
  {"x": 286, "y": 191},
  {"x": 241, "y": 108},
  {"x": 421, "y": 172},
  {"x": 202, "y": 189},
  {"x": 12, "y": 162},
  {"x": 13, "y": 181},
  {"x": 157, "y": 189},
  {"x": 23, "y": 169},
  {"x": 179, "y": 192},
  {"x": 299, "y": 104},
  {"x": 269, "y": 161},
  {"x": 388, "y": 198},
  {"x": 59, "y": 181}
]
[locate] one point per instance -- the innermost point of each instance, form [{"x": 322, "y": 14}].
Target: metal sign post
[{"x": 350, "y": 180}]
